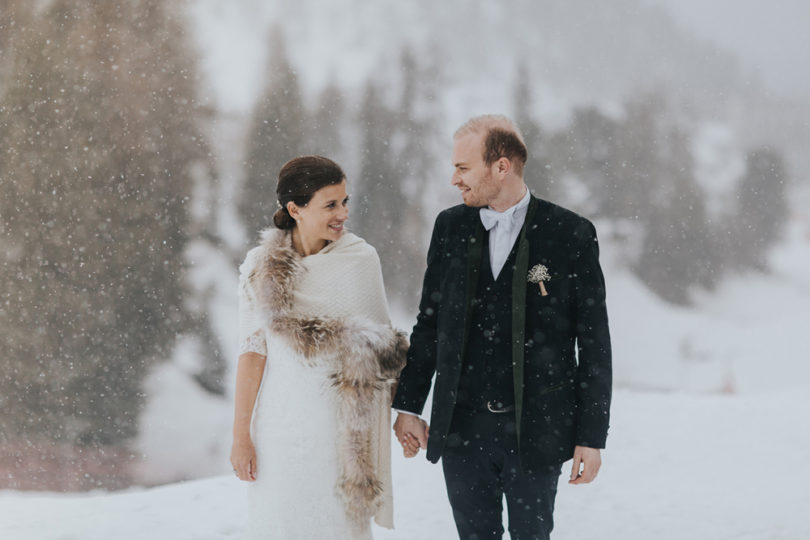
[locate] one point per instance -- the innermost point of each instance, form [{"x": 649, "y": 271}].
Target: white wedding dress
[{"x": 294, "y": 426}]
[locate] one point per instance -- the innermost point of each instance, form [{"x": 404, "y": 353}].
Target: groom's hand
[
  {"x": 590, "y": 460},
  {"x": 411, "y": 432}
]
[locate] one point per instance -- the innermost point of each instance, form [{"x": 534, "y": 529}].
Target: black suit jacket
[{"x": 563, "y": 376}]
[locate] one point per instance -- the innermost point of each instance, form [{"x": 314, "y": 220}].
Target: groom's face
[{"x": 472, "y": 176}]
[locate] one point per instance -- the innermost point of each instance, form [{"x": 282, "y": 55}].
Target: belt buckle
[{"x": 499, "y": 411}]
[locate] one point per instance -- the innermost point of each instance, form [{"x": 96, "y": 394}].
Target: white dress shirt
[{"x": 504, "y": 228}]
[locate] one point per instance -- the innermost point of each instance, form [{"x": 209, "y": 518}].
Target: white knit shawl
[{"x": 342, "y": 282}]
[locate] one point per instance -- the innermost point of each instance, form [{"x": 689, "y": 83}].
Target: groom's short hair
[{"x": 502, "y": 138}]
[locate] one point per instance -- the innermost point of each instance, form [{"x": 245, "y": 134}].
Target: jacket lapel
[
  {"x": 519, "y": 312},
  {"x": 475, "y": 249}
]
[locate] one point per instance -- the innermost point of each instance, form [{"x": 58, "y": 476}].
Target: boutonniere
[{"x": 538, "y": 274}]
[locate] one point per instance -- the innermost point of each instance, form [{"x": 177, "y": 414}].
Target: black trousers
[{"x": 481, "y": 465}]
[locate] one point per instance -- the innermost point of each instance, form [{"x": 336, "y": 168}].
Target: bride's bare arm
[{"x": 248, "y": 378}]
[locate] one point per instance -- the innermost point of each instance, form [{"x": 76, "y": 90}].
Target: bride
[{"x": 318, "y": 361}]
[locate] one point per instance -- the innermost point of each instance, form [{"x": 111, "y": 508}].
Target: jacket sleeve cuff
[{"x": 406, "y": 412}]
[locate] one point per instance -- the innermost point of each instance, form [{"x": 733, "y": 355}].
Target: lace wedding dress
[{"x": 296, "y": 425}]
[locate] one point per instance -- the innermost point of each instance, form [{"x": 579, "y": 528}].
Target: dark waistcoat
[{"x": 486, "y": 374}]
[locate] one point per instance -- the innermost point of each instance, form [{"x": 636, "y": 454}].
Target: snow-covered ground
[
  {"x": 709, "y": 435},
  {"x": 750, "y": 335},
  {"x": 678, "y": 466}
]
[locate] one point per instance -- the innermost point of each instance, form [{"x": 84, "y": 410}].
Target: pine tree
[
  {"x": 15, "y": 17},
  {"x": 396, "y": 153},
  {"x": 377, "y": 213},
  {"x": 588, "y": 151},
  {"x": 762, "y": 207},
  {"x": 674, "y": 258},
  {"x": 415, "y": 129},
  {"x": 635, "y": 163},
  {"x": 327, "y": 129},
  {"x": 278, "y": 133},
  {"x": 537, "y": 171},
  {"x": 97, "y": 141},
  {"x": 639, "y": 170}
]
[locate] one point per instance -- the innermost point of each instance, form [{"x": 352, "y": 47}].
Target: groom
[{"x": 512, "y": 323}]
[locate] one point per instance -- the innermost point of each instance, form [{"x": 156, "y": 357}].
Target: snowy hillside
[
  {"x": 749, "y": 336},
  {"x": 703, "y": 467},
  {"x": 747, "y": 339},
  {"x": 697, "y": 455}
]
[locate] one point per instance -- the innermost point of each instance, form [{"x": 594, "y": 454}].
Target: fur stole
[{"x": 365, "y": 358}]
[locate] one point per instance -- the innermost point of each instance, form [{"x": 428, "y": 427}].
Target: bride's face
[{"x": 323, "y": 217}]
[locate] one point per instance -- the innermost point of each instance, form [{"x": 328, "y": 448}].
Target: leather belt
[{"x": 499, "y": 410}]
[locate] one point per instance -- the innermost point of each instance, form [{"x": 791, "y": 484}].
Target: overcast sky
[{"x": 771, "y": 36}]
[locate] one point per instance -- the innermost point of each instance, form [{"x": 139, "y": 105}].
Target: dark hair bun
[
  {"x": 283, "y": 220},
  {"x": 299, "y": 179}
]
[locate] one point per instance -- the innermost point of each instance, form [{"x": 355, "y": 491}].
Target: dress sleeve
[{"x": 251, "y": 328}]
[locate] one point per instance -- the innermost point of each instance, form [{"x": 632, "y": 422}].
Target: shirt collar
[
  {"x": 490, "y": 217},
  {"x": 522, "y": 203}
]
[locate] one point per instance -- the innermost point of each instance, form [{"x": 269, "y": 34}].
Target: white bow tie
[{"x": 490, "y": 217}]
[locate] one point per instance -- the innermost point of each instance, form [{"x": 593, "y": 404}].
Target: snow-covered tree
[
  {"x": 97, "y": 142},
  {"x": 537, "y": 171},
  {"x": 396, "y": 152},
  {"x": 762, "y": 209},
  {"x": 328, "y": 126},
  {"x": 277, "y": 134}
]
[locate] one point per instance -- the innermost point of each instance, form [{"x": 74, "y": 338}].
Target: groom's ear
[{"x": 502, "y": 167}]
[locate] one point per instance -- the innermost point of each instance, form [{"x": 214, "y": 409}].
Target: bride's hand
[
  {"x": 411, "y": 432},
  {"x": 243, "y": 459}
]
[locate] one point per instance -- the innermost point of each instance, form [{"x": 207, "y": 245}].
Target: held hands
[
  {"x": 589, "y": 459},
  {"x": 243, "y": 459},
  {"x": 412, "y": 433}
]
